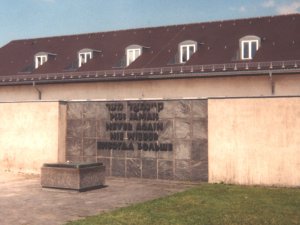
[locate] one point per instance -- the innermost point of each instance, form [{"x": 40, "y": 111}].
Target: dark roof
[{"x": 218, "y": 49}]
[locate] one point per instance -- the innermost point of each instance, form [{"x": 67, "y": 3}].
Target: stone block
[
  {"x": 199, "y": 150},
  {"x": 165, "y": 170},
  {"x": 199, "y": 171},
  {"x": 74, "y": 128},
  {"x": 104, "y": 153},
  {"x": 89, "y": 128},
  {"x": 74, "y": 111},
  {"x": 89, "y": 159},
  {"x": 178, "y": 109},
  {"x": 149, "y": 168},
  {"x": 166, "y": 155},
  {"x": 101, "y": 130},
  {"x": 94, "y": 110},
  {"x": 118, "y": 167},
  {"x": 80, "y": 177},
  {"x": 89, "y": 147},
  {"x": 149, "y": 154},
  {"x": 183, "y": 128},
  {"x": 133, "y": 154},
  {"x": 74, "y": 147},
  {"x": 133, "y": 168},
  {"x": 107, "y": 163},
  {"x": 118, "y": 153},
  {"x": 183, "y": 149},
  {"x": 200, "y": 128},
  {"x": 199, "y": 108},
  {"x": 167, "y": 132},
  {"x": 182, "y": 170}
]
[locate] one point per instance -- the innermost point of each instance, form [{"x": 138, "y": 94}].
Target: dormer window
[
  {"x": 84, "y": 56},
  {"x": 186, "y": 50},
  {"x": 249, "y": 46},
  {"x": 132, "y": 53},
  {"x": 41, "y": 58}
]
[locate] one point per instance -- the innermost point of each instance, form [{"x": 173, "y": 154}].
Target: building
[
  {"x": 246, "y": 57},
  {"x": 147, "y": 101}
]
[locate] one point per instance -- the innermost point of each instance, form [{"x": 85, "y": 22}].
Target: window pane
[
  {"x": 246, "y": 50},
  {"x": 88, "y": 56},
  {"x": 82, "y": 59},
  {"x": 253, "y": 48},
  {"x": 39, "y": 61},
  {"x": 137, "y": 53},
  {"x": 184, "y": 54},
  {"x": 191, "y": 51},
  {"x": 130, "y": 56}
]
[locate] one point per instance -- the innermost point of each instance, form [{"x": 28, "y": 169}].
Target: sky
[{"x": 23, "y": 19}]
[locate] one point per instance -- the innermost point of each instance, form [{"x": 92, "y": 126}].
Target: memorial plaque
[{"x": 142, "y": 139}]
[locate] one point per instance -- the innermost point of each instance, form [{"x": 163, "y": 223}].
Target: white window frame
[
  {"x": 84, "y": 59},
  {"x": 135, "y": 56},
  {"x": 187, "y": 44},
  {"x": 40, "y": 60},
  {"x": 250, "y": 54}
]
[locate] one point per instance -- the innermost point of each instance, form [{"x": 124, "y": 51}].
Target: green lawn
[{"x": 210, "y": 204}]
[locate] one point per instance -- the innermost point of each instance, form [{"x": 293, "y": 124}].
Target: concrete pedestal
[{"x": 80, "y": 177}]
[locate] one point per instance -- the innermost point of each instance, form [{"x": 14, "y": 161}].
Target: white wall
[
  {"x": 254, "y": 141},
  {"x": 29, "y": 135}
]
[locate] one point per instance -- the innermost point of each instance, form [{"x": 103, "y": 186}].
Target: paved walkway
[{"x": 24, "y": 202}]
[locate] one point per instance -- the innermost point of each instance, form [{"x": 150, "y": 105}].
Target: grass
[{"x": 210, "y": 204}]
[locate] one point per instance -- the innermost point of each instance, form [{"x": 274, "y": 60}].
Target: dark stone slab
[
  {"x": 183, "y": 128},
  {"x": 107, "y": 163},
  {"x": 133, "y": 154},
  {"x": 89, "y": 147},
  {"x": 200, "y": 128},
  {"x": 178, "y": 109},
  {"x": 165, "y": 170},
  {"x": 104, "y": 153},
  {"x": 74, "y": 128},
  {"x": 74, "y": 176},
  {"x": 101, "y": 130},
  {"x": 199, "y": 171},
  {"x": 166, "y": 155},
  {"x": 199, "y": 150},
  {"x": 149, "y": 168},
  {"x": 199, "y": 108},
  {"x": 183, "y": 149},
  {"x": 89, "y": 159},
  {"x": 89, "y": 128},
  {"x": 182, "y": 170},
  {"x": 133, "y": 168},
  {"x": 149, "y": 154},
  {"x": 168, "y": 131},
  {"x": 118, "y": 167},
  {"x": 118, "y": 153},
  {"x": 74, "y": 111},
  {"x": 94, "y": 110},
  {"x": 74, "y": 147}
]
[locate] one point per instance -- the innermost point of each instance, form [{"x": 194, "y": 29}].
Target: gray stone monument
[{"x": 73, "y": 176}]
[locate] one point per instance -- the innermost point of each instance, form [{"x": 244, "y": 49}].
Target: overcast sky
[{"x": 21, "y": 19}]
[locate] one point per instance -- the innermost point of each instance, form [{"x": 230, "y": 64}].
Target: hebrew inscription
[{"x": 135, "y": 126}]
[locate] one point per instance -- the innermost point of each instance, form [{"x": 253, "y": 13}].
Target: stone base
[{"x": 79, "y": 177}]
